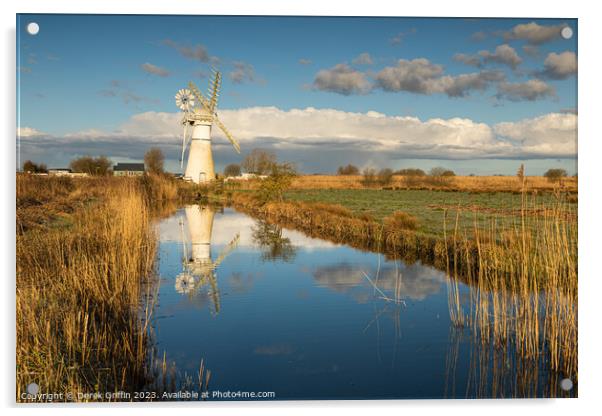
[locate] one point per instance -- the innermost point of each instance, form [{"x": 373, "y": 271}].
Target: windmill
[
  {"x": 198, "y": 266},
  {"x": 199, "y": 116}
]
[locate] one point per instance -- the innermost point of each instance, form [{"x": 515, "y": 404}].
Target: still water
[{"x": 272, "y": 310}]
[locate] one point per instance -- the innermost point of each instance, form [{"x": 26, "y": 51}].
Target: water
[{"x": 272, "y": 310}]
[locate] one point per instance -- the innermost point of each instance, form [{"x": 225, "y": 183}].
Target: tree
[
  {"x": 439, "y": 172},
  {"x": 153, "y": 160},
  {"x": 555, "y": 175},
  {"x": 92, "y": 166},
  {"x": 348, "y": 170},
  {"x": 31, "y": 167},
  {"x": 280, "y": 178},
  {"x": 410, "y": 172},
  {"x": 369, "y": 177},
  {"x": 259, "y": 161},
  {"x": 232, "y": 170},
  {"x": 385, "y": 176}
]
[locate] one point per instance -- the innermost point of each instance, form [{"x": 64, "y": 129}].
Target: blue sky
[{"x": 86, "y": 80}]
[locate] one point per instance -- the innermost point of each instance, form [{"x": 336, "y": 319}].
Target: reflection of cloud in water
[
  {"x": 416, "y": 281},
  {"x": 230, "y": 223}
]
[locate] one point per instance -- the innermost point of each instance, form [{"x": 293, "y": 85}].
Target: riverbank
[{"x": 85, "y": 252}]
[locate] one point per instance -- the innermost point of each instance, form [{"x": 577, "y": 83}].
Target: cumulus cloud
[
  {"x": 342, "y": 79},
  {"x": 363, "y": 59},
  {"x": 242, "y": 72},
  {"x": 195, "y": 52},
  {"x": 399, "y": 37},
  {"x": 503, "y": 54},
  {"x": 119, "y": 89},
  {"x": 423, "y": 77},
  {"x": 472, "y": 60},
  {"x": 554, "y": 133},
  {"x": 534, "y": 33},
  {"x": 304, "y": 61},
  {"x": 29, "y": 132},
  {"x": 325, "y": 137},
  {"x": 155, "y": 70},
  {"x": 559, "y": 65},
  {"x": 531, "y": 90}
]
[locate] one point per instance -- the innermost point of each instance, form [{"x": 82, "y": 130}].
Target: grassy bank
[
  {"x": 455, "y": 183},
  {"x": 85, "y": 251},
  {"x": 428, "y": 206}
]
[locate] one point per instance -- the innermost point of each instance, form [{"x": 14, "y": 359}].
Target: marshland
[{"x": 331, "y": 288}]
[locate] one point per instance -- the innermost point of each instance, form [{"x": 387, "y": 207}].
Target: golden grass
[
  {"x": 523, "y": 292},
  {"x": 79, "y": 288},
  {"x": 460, "y": 183}
]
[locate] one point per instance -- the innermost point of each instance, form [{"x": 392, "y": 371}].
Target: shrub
[
  {"x": 385, "y": 176},
  {"x": 232, "y": 170},
  {"x": 273, "y": 187},
  {"x": 373, "y": 178},
  {"x": 31, "y": 167},
  {"x": 401, "y": 220},
  {"x": 410, "y": 172},
  {"x": 555, "y": 175},
  {"x": 348, "y": 170}
]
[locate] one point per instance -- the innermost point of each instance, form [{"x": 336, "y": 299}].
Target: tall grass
[
  {"x": 523, "y": 292},
  {"x": 79, "y": 287}
]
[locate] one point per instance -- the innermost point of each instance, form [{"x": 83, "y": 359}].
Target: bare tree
[
  {"x": 259, "y": 161},
  {"x": 153, "y": 160}
]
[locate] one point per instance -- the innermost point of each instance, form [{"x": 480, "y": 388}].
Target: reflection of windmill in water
[{"x": 198, "y": 267}]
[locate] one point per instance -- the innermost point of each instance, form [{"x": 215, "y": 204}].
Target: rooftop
[{"x": 137, "y": 167}]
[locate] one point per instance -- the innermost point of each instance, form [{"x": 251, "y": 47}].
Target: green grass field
[{"x": 428, "y": 206}]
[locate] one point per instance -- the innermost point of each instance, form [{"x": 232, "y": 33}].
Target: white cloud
[
  {"x": 315, "y": 133},
  {"x": 560, "y": 65},
  {"x": 554, "y": 133},
  {"x": 531, "y": 90},
  {"x": 423, "y": 77},
  {"x": 342, "y": 79},
  {"x": 196, "y": 52},
  {"x": 363, "y": 59},
  {"x": 29, "y": 132},
  {"x": 534, "y": 33},
  {"x": 242, "y": 72},
  {"x": 155, "y": 70},
  {"x": 503, "y": 54}
]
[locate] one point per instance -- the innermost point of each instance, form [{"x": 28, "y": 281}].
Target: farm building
[
  {"x": 128, "y": 169},
  {"x": 59, "y": 171}
]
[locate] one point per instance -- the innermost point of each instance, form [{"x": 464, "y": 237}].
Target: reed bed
[
  {"x": 456, "y": 183},
  {"x": 523, "y": 292},
  {"x": 81, "y": 326}
]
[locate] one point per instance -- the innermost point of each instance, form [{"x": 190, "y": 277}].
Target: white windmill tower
[
  {"x": 198, "y": 266},
  {"x": 200, "y": 115}
]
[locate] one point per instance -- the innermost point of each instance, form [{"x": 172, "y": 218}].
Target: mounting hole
[
  {"x": 566, "y": 384},
  {"x": 33, "y": 389},
  {"x": 33, "y": 28},
  {"x": 566, "y": 32}
]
